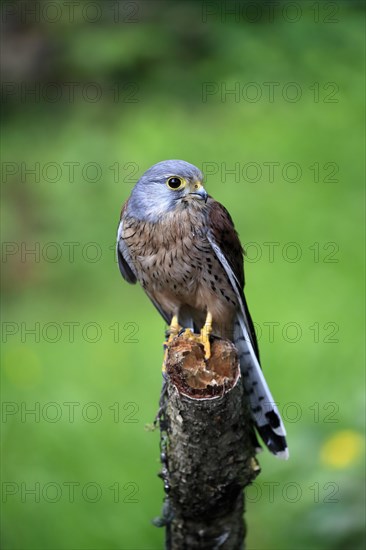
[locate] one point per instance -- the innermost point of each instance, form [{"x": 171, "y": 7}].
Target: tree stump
[{"x": 207, "y": 446}]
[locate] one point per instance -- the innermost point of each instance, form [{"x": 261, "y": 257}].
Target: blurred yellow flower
[{"x": 342, "y": 449}]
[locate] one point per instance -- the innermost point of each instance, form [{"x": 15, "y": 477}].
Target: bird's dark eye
[{"x": 175, "y": 183}]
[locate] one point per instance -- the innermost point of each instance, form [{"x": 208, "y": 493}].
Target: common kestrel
[{"x": 182, "y": 247}]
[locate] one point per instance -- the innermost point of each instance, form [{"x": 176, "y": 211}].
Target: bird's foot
[
  {"x": 205, "y": 335},
  {"x": 173, "y": 330},
  {"x": 203, "y": 338}
]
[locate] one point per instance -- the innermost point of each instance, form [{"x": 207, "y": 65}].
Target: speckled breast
[
  {"x": 170, "y": 254},
  {"x": 176, "y": 264}
]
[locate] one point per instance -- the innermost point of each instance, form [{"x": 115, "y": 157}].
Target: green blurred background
[{"x": 118, "y": 86}]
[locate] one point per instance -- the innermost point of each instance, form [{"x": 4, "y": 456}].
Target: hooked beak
[{"x": 201, "y": 193}]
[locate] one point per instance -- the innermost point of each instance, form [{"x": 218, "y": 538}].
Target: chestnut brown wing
[{"x": 227, "y": 247}]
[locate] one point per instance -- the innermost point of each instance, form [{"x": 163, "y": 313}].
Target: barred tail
[{"x": 266, "y": 417}]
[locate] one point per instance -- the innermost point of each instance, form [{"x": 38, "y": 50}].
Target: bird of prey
[{"x": 181, "y": 246}]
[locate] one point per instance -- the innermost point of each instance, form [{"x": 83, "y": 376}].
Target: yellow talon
[
  {"x": 174, "y": 329},
  {"x": 174, "y": 326},
  {"x": 205, "y": 335}
]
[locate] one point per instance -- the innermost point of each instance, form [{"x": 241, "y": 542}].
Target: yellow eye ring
[{"x": 175, "y": 183}]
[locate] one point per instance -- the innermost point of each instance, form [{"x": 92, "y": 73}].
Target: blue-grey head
[{"x": 165, "y": 186}]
